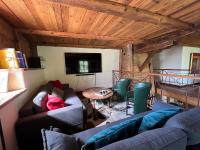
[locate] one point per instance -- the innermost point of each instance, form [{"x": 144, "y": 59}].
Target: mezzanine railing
[{"x": 189, "y": 93}]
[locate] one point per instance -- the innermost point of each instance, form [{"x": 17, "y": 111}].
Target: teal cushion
[
  {"x": 114, "y": 133},
  {"x": 157, "y": 119}
]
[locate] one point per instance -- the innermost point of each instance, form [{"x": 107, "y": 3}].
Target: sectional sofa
[
  {"x": 32, "y": 118},
  {"x": 180, "y": 132}
]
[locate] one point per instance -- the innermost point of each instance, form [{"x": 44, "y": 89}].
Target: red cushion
[
  {"x": 54, "y": 102},
  {"x": 57, "y": 84}
]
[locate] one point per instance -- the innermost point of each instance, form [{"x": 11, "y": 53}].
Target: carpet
[{"x": 116, "y": 112}]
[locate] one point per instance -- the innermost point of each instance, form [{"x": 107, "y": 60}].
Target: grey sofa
[
  {"x": 180, "y": 132},
  {"x": 70, "y": 119}
]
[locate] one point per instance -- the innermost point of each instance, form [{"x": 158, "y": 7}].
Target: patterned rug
[{"x": 116, "y": 112}]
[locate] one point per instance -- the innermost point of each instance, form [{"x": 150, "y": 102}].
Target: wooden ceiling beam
[
  {"x": 164, "y": 40},
  {"x": 172, "y": 36},
  {"x": 154, "y": 47},
  {"x": 76, "y": 35},
  {"x": 125, "y": 11},
  {"x": 76, "y": 45},
  {"x": 147, "y": 60}
]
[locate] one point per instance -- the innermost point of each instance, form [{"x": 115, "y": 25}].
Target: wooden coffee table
[{"x": 94, "y": 94}]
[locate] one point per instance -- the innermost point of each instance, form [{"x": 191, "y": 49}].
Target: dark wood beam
[
  {"x": 154, "y": 47},
  {"x": 76, "y": 35},
  {"x": 77, "y": 45},
  {"x": 33, "y": 48},
  {"x": 17, "y": 39},
  {"x": 150, "y": 55},
  {"x": 125, "y": 11},
  {"x": 164, "y": 40}
]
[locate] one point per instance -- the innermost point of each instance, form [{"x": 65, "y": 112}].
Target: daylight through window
[{"x": 83, "y": 66}]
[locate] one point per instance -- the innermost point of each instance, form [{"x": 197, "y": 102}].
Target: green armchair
[
  {"x": 139, "y": 96},
  {"x": 121, "y": 88}
]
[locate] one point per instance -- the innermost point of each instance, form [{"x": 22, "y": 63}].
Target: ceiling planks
[
  {"x": 125, "y": 11},
  {"x": 73, "y": 35},
  {"x": 95, "y": 28}
]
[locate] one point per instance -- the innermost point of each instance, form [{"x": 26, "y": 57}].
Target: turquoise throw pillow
[
  {"x": 123, "y": 130},
  {"x": 157, "y": 119}
]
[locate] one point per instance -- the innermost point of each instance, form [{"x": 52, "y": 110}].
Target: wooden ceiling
[{"x": 100, "y": 23}]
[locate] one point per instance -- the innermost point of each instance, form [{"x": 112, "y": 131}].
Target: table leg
[
  {"x": 94, "y": 109},
  {"x": 109, "y": 101}
]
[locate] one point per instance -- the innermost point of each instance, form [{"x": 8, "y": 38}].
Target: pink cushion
[
  {"x": 57, "y": 84},
  {"x": 54, "y": 102}
]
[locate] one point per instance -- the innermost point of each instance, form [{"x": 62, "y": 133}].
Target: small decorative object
[
  {"x": 104, "y": 92},
  {"x": 8, "y": 59}
]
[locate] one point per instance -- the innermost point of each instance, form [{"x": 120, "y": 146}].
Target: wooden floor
[{"x": 186, "y": 94}]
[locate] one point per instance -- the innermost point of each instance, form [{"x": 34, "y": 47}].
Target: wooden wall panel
[
  {"x": 8, "y": 38},
  {"x": 24, "y": 46},
  {"x": 6, "y": 35}
]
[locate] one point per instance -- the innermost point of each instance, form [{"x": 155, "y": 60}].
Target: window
[{"x": 83, "y": 66}]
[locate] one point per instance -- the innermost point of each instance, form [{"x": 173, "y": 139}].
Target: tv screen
[{"x": 82, "y": 63}]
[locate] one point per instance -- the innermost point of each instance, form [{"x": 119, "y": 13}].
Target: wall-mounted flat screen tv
[{"x": 83, "y": 63}]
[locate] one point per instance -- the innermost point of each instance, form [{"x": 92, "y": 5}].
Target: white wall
[
  {"x": 9, "y": 112},
  {"x": 168, "y": 59},
  {"x": 177, "y": 57},
  {"x": 55, "y": 66}
]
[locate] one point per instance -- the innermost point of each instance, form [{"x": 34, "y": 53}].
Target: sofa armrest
[
  {"x": 28, "y": 129},
  {"x": 70, "y": 115}
]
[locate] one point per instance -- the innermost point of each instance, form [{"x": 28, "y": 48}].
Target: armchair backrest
[
  {"x": 122, "y": 86},
  {"x": 141, "y": 93}
]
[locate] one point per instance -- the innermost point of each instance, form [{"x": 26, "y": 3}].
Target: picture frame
[{"x": 195, "y": 63}]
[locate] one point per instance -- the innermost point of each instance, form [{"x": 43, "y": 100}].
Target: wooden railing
[
  {"x": 185, "y": 95},
  {"x": 174, "y": 79},
  {"x": 142, "y": 76}
]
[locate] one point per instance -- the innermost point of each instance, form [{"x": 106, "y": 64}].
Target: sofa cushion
[
  {"x": 54, "y": 102},
  {"x": 40, "y": 101},
  {"x": 58, "y": 141},
  {"x": 83, "y": 136},
  {"x": 189, "y": 121},
  {"x": 114, "y": 133},
  {"x": 157, "y": 119},
  {"x": 157, "y": 139},
  {"x": 47, "y": 87},
  {"x": 57, "y": 92},
  {"x": 73, "y": 101},
  {"x": 57, "y": 83},
  {"x": 159, "y": 105}
]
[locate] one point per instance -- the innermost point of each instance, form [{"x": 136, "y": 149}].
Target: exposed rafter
[
  {"x": 174, "y": 35},
  {"x": 125, "y": 11},
  {"x": 154, "y": 47},
  {"x": 150, "y": 55},
  {"x": 75, "y": 35},
  {"x": 76, "y": 45},
  {"x": 164, "y": 41}
]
